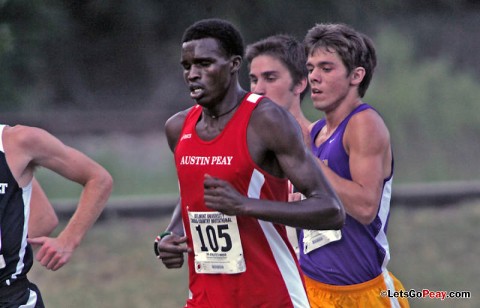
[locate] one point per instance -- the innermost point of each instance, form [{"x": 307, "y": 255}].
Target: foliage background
[{"x": 105, "y": 56}]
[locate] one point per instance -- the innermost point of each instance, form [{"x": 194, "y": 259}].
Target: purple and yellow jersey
[{"x": 362, "y": 253}]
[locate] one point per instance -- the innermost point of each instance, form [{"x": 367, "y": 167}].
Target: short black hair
[{"x": 223, "y": 31}]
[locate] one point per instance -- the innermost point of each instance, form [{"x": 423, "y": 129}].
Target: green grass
[
  {"x": 115, "y": 267},
  {"x": 432, "y": 248},
  {"x": 437, "y": 249}
]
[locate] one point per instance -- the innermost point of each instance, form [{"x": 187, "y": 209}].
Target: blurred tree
[
  {"x": 124, "y": 54},
  {"x": 431, "y": 109}
]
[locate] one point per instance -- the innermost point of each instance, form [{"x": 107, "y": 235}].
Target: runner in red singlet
[{"x": 235, "y": 152}]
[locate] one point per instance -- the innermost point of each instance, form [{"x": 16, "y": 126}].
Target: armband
[{"x": 158, "y": 239}]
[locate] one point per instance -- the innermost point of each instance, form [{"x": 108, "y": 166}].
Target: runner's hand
[
  {"x": 171, "y": 250},
  {"x": 221, "y": 196},
  {"x": 53, "y": 253}
]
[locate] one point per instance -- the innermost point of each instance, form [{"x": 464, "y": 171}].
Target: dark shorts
[{"x": 21, "y": 293}]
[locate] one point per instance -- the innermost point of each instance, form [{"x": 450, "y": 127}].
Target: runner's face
[
  {"x": 328, "y": 78},
  {"x": 270, "y": 77},
  {"x": 207, "y": 70}
]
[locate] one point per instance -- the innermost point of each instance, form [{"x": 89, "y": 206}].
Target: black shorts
[{"x": 20, "y": 293}]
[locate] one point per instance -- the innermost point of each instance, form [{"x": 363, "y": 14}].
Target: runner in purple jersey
[{"x": 347, "y": 268}]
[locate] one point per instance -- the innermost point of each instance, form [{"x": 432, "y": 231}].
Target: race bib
[
  {"x": 314, "y": 239},
  {"x": 216, "y": 243}
]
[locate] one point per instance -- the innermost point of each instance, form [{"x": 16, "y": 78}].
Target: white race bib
[
  {"x": 313, "y": 239},
  {"x": 216, "y": 243}
]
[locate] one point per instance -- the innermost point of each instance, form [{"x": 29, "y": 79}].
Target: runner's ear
[
  {"x": 357, "y": 75},
  {"x": 235, "y": 64},
  {"x": 300, "y": 87}
]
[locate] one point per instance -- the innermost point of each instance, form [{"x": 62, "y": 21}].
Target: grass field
[
  {"x": 432, "y": 248},
  {"x": 114, "y": 267}
]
